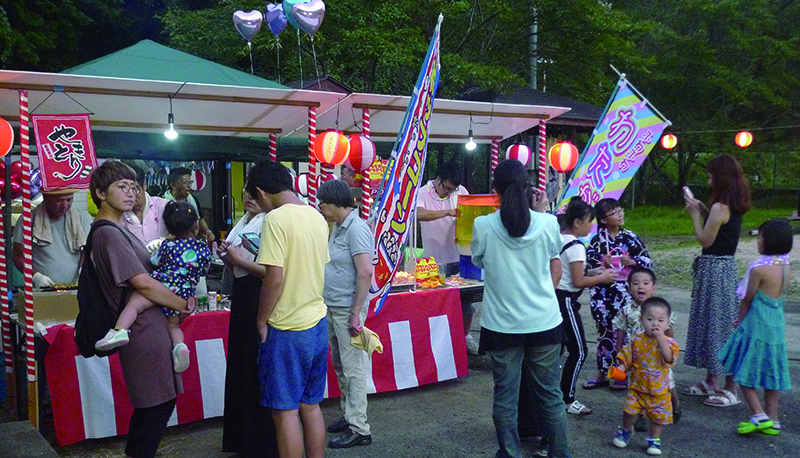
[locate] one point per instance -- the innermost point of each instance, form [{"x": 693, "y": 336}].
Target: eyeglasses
[
  {"x": 617, "y": 212},
  {"x": 186, "y": 182},
  {"x": 126, "y": 188},
  {"x": 447, "y": 189}
]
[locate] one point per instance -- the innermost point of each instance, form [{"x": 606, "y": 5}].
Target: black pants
[
  {"x": 147, "y": 428},
  {"x": 575, "y": 344}
]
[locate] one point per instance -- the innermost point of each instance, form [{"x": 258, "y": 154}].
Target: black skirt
[{"x": 247, "y": 427}]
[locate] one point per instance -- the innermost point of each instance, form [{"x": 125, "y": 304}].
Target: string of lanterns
[
  {"x": 743, "y": 139},
  {"x": 333, "y": 148}
]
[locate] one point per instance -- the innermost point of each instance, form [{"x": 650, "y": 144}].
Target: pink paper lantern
[
  {"x": 362, "y": 153},
  {"x": 519, "y": 152}
]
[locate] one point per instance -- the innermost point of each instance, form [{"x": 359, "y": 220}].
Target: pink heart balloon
[
  {"x": 309, "y": 16},
  {"x": 248, "y": 24}
]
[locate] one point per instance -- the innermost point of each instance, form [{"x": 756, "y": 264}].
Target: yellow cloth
[
  {"x": 42, "y": 234},
  {"x": 368, "y": 341},
  {"x": 295, "y": 237}
]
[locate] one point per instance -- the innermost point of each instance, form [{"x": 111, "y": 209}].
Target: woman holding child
[
  {"x": 123, "y": 263},
  {"x": 714, "y": 301}
]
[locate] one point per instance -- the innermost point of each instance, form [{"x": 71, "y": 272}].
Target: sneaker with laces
[
  {"x": 654, "y": 446},
  {"x": 113, "y": 339},
  {"x": 180, "y": 357},
  {"x": 577, "y": 408},
  {"x": 623, "y": 437},
  {"x": 472, "y": 345}
]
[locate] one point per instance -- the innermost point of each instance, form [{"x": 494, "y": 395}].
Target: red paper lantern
[
  {"x": 301, "y": 184},
  {"x": 332, "y": 147},
  {"x": 362, "y": 153},
  {"x": 744, "y": 138},
  {"x": 198, "y": 180},
  {"x": 16, "y": 171},
  {"x": 563, "y": 156},
  {"x": 669, "y": 141},
  {"x": 6, "y": 137},
  {"x": 519, "y": 152}
]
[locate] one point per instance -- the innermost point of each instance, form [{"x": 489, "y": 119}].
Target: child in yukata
[
  {"x": 179, "y": 263},
  {"x": 647, "y": 359}
]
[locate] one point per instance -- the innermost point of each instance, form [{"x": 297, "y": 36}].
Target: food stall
[{"x": 421, "y": 330}]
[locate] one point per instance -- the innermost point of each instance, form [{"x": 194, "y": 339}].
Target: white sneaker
[
  {"x": 472, "y": 346},
  {"x": 113, "y": 339},
  {"x": 180, "y": 357}
]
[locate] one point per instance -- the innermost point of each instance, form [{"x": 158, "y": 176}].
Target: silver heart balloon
[
  {"x": 309, "y": 16},
  {"x": 248, "y": 24},
  {"x": 273, "y": 11}
]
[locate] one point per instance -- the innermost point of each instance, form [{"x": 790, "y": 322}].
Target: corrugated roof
[{"x": 148, "y": 60}]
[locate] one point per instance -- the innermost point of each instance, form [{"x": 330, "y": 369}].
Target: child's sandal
[{"x": 747, "y": 427}]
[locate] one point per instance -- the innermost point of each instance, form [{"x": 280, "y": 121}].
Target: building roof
[
  {"x": 579, "y": 111},
  {"x": 323, "y": 83},
  {"x": 148, "y": 60}
]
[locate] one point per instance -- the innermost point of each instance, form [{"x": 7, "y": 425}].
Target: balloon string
[
  {"x": 300, "y": 57},
  {"x": 250, "y": 48},
  {"x": 278, "y": 52},
  {"x": 316, "y": 67}
]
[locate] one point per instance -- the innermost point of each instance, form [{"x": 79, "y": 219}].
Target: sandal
[
  {"x": 592, "y": 384},
  {"x": 701, "y": 389},
  {"x": 770, "y": 431},
  {"x": 618, "y": 385},
  {"x": 723, "y": 399},
  {"x": 747, "y": 427}
]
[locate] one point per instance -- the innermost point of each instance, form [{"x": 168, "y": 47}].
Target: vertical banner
[
  {"x": 66, "y": 150},
  {"x": 620, "y": 143},
  {"x": 391, "y": 216}
]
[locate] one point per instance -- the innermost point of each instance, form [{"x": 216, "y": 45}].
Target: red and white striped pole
[
  {"x": 25, "y": 156},
  {"x": 273, "y": 148},
  {"x": 312, "y": 160},
  {"x": 495, "y": 157},
  {"x": 366, "y": 183},
  {"x": 5, "y": 318},
  {"x": 542, "y": 155}
]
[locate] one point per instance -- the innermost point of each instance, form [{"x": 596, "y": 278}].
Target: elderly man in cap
[{"x": 58, "y": 233}]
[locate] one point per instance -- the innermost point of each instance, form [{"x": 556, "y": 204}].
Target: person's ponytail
[{"x": 511, "y": 182}]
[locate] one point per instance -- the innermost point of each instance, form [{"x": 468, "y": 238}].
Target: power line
[{"x": 732, "y": 130}]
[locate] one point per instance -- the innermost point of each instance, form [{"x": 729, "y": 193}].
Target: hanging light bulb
[
  {"x": 471, "y": 143},
  {"x": 170, "y": 132}
]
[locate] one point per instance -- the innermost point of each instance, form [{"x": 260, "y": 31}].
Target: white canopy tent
[{"x": 133, "y": 105}]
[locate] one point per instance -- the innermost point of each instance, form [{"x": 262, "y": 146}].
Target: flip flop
[
  {"x": 725, "y": 399},
  {"x": 701, "y": 389},
  {"x": 747, "y": 427},
  {"x": 592, "y": 384},
  {"x": 618, "y": 385}
]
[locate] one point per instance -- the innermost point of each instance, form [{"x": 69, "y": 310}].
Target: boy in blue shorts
[{"x": 292, "y": 321}]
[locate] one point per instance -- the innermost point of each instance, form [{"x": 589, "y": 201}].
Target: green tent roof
[{"x": 148, "y": 60}]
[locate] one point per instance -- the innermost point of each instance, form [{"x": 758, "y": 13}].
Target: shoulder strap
[
  {"x": 88, "y": 251},
  {"x": 570, "y": 244}
]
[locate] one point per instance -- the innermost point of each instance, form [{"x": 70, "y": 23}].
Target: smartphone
[
  {"x": 687, "y": 193},
  {"x": 251, "y": 241}
]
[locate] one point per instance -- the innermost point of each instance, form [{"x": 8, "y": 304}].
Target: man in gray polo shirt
[{"x": 347, "y": 279}]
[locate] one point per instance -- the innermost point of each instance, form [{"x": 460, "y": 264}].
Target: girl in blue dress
[
  {"x": 756, "y": 351},
  {"x": 179, "y": 263}
]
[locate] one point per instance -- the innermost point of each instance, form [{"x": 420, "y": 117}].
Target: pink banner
[{"x": 66, "y": 150}]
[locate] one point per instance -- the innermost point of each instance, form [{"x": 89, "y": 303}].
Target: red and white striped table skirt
[{"x": 422, "y": 336}]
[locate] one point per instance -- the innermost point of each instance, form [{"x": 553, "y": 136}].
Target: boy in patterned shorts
[{"x": 648, "y": 359}]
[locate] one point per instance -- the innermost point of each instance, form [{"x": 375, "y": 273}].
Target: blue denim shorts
[{"x": 293, "y": 366}]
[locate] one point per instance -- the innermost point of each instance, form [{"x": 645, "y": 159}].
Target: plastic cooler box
[{"x": 469, "y": 208}]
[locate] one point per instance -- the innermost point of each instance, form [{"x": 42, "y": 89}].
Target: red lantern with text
[
  {"x": 744, "y": 138},
  {"x": 519, "y": 152},
  {"x": 6, "y": 137},
  {"x": 332, "y": 147},
  {"x": 563, "y": 156},
  {"x": 362, "y": 153},
  {"x": 669, "y": 141}
]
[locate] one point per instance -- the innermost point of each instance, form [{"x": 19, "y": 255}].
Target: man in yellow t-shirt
[{"x": 292, "y": 321}]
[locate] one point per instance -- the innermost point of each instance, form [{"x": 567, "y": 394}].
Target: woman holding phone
[
  {"x": 247, "y": 428},
  {"x": 714, "y": 301}
]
